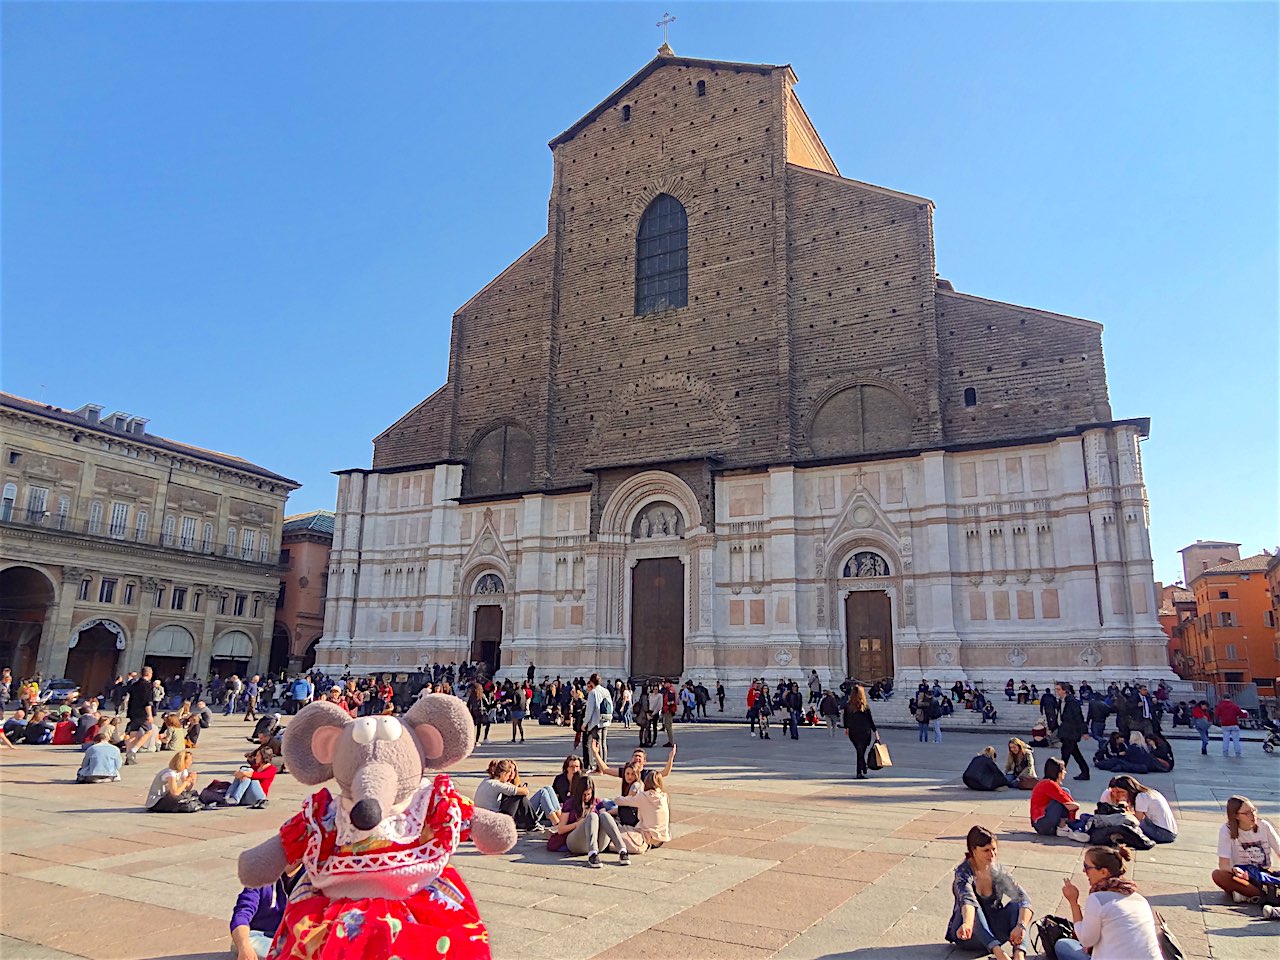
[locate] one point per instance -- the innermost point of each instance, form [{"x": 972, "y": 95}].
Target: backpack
[
  {"x": 921, "y": 715},
  {"x": 935, "y": 710},
  {"x": 606, "y": 709}
]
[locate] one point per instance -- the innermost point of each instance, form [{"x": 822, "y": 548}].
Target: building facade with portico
[
  {"x": 121, "y": 548},
  {"x": 724, "y": 421}
]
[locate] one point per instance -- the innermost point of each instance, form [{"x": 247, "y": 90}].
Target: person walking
[
  {"x": 860, "y": 727},
  {"x": 1049, "y": 707},
  {"x": 720, "y": 695},
  {"x": 1071, "y": 728},
  {"x": 793, "y": 700},
  {"x": 595, "y": 722},
  {"x": 935, "y": 718},
  {"x": 252, "y": 690},
  {"x": 1227, "y": 714},
  {"x": 815, "y": 687},
  {"x": 829, "y": 709},
  {"x": 1200, "y": 715}
]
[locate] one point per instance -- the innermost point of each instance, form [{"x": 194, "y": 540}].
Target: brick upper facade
[{"x": 815, "y": 327}]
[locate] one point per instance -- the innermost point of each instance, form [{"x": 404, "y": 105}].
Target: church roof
[
  {"x": 1255, "y": 564},
  {"x": 317, "y": 521},
  {"x": 658, "y": 62}
]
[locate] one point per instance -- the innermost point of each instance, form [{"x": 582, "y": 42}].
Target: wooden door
[
  {"x": 92, "y": 661},
  {"x": 869, "y": 625},
  {"x": 486, "y": 637},
  {"x": 657, "y": 618}
]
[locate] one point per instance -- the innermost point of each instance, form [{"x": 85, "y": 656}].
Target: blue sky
[{"x": 252, "y": 222}]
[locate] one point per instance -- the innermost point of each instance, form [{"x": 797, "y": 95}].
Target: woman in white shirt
[
  {"x": 174, "y": 788},
  {"x": 654, "y": 816},
  {"x": 1248, "y": 852},
  {"x": 1148, "y": 805},
  {"x": 1116, "y": 922}
]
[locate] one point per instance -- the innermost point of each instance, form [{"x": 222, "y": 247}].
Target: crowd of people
[{"x": 583, "y": 812}]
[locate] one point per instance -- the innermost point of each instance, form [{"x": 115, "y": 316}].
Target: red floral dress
[{"x": 427, "y": 914}]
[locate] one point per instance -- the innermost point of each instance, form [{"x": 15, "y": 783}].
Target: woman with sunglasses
[
  {"x": 1248, "y": 852},
  {"x": 1116, "y": 922}
]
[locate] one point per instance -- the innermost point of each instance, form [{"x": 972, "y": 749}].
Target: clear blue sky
[{"x": 214, "y": 212}]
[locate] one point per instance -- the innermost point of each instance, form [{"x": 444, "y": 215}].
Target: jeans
[
  {"x": 1054, "y": 813},
  {"x": 260, "y": 942},
  {"x": 924, "y": 732},
  {"x": 544, "y": 802},
  {"x": 1157, "y": 833},
  {"x": 598, "y": 735},
  {"x": 1098, "y": 730},
  {"x": 1202, "y": 728},
  {"x": 1231, "y": 735},
  {"x": 793, "y": 720},
  {"x": 667, "y": 720},
  {"x": 1068, "y": 949},
  {"x": 594, "y": 832},
  {"x": 937, "y": 729},
  {"x": 831, "y": 719},
  {"x": 990, "y": 930},
  {"x": 245, "y": 792}
]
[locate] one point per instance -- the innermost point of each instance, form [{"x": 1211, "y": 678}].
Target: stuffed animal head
[{"x": 378, "y": 762}]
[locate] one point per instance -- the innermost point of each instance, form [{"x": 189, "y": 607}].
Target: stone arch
[
  {"x": 499, "y": 459},
  {"x": 665, "y": 415},
  {"x": 860, "y": 416},
  {"x": 642, "y": 489},
  {"x": 674, "y": 186}
]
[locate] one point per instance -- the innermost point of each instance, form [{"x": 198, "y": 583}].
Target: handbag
[
  {"x": 1027, "y": 783},
  {"x": 879, "y": 757},
  {"x": 1048, "y": 931},
  {"x": 215, "y": 792},
  {"x": 1170, "y": 949}
]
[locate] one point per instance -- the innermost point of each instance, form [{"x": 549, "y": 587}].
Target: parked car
[{"x": 58, "y": 692}]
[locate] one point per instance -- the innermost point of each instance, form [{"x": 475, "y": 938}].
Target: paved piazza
[{"x": 778, "y": 852}]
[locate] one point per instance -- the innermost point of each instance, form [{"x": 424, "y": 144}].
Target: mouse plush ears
[
  {"x": 443, "y": 728},
  {"x": 310, "y": 738}
]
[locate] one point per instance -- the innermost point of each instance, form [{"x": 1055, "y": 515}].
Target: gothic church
[{"x": 724, "y": 420}]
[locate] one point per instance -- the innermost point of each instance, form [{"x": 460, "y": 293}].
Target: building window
[
  {"x": 222, "y": 605},
  {"x": 168, "y": 531},
  {"x": 702, "y": 88},
  {"x": 188, "y": 533},
  {"x": 1269, "y": 617},
  {"x": 95, "y": 517},
  {"x": 84, "y": 589},
  {"x": 1231, "y": 652},
  {"x": 626, "y": 113},
  {"x": 179, "y": 599},
  {"x": 257, "y": 607},
  {"x": 140, "y": 526},
  {"x": 662, "y": 257},
  {"x": 284, "y": 557},
  {"x": 10, "y": 498},
  {"x": 1223, "y": 595},
  {"x": 247, "y": 538},
  {"x": 280, "y": 595},
  {"x": 159, "y": 597},
  {"x": 195, "y": 602},
  {"x": 119, "y": 519},
  {"x": 241, "y": 599},
  {"x": 231, "y": 541},
  {"x": 14, "y": 457},
  {"x": 37, "y": 501},
  {"x": 206, "y": 538},
  {"x": 1225, "y": 619},
  {"x": 970, "y": 397},
  {"x": 128, "y": 595},
  {"x": 106, "y": 590},
  {"x": 64, "y": 511}
]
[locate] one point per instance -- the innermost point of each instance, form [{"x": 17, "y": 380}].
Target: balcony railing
[{"x": 125, "y": 533}]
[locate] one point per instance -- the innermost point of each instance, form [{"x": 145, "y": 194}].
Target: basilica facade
[{"x": 725, "y": 420}]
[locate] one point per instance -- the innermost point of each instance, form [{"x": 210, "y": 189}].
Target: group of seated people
[
  {"x": 575, "y": 818},
  {"x": 174, "y": 789},
  {"x": 984, "y": 773},
  {"x": 1141, "y": 753}
]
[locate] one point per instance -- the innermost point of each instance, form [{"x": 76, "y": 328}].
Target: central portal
[
  {"x": 486, "y": 638},
  {"x": 869, "y": 623},
  {"x": 657, "y": 618}
]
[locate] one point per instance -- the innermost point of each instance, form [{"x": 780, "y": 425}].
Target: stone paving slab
[{"x": 777, "y": 852}]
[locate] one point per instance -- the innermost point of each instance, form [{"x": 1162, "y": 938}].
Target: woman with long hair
[
  {"x": 475, "y": 707},
  {"x": 1053, "y": 810},
  {"x": 1154, "y": 814},
  {"x": 1116, "y": 922},
  {"x": 991, "y": 908},
  {"x": 1020, "y": 765},
  {"x": 585, "y": 825},
  {"x": 860, "y": 727},
  {"x": 1248, "y": 852}
]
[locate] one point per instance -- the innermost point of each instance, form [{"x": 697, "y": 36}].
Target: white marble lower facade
[{"x": 1031, "y": 561}]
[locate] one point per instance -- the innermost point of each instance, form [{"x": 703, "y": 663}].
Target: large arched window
[
  {"x": 501, "y": 462},
  {"x": 662, "y": 256}
]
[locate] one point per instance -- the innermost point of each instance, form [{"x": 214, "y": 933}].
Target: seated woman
[
  {"x": 1116, "y": 922},
  {"x": 502, "y": 792},
  {"x": 1053, "y": 811},
  {"x": 1150, "y": 807},
  {"x": 1009, "y": 692},
  {"x": 1040, "y": 734},
  {"x": 173, "y": 735},
  {"x": 174, "y": 788},
  {"x": 1020, "y": 766},
  {"x": 1161, "y": 754},
  {"x": 654, "y": 814},
  {"x": 989, "y": 712},
  {"x": 1024, "y": 692},
  {"x": 1112, "y": 752},
  {"x": 1248, "y": 852},
  {"x": 983, "y": 773},
  {"x": 991, "y": 908},
  {"x": 586, "y": 825},
  {"x": 252, "y": 783}
]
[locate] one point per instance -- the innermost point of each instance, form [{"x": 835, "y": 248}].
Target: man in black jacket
[{"x": 1071, "y": 727}]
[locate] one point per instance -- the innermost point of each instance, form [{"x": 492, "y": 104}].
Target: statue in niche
[
  {"x": 663, "y": 523},
  {"x": 659, "y": 519},
  {"x": 646, "y": 529},
  {"x": 866, "y": 564}
]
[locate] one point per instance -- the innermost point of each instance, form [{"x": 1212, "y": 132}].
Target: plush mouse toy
[{"x": 378, "y": 882}]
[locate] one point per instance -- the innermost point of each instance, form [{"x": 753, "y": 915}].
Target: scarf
[{"x": 1121, "y": 885}]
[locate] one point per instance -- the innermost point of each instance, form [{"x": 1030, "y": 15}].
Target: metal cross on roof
[{"x": 667, "y": 20}]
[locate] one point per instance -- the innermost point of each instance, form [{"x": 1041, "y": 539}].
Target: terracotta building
[
  {"x": 1175, "y": 604},
  {"x": 724, "y": 419},
  {"x": 119, "y": 547},
  {"x": 304, "y": 579},
  {"x": 1231, "y": 637}
]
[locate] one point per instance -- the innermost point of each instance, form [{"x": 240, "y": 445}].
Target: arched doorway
[
  {"x": 169, "y": 651},
  {"x": 868, "y": 616},
  {"x": 232, "y": 653},
  {"x": 486, "y": 623},
  {"x": 279, "y": 661},
  {"x": 25, "y": 597},
  {"x": 92, "y": 655},
  {"x": 309, "y": 658}
]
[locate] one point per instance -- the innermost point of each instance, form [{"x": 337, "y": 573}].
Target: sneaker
[
  {"x": 1080, "y": 836},
  {"x": 593, "y": 861},
  {"x": 1270, "y": 912},
  {"x": 1237, "y": 897},
  {"x": 1065, "y": 831},
  {"x": 624, "y": 860},
  {"x": 260, "y": 805},
  {"x": 130, "y": 758},
  {"x": 1081, "y": 776}
]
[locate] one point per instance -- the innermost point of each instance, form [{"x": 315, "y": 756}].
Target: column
[
  {"x": 51, "y": 661},
  {"x": 136, "y": 651},
  {"x": 204, "y": 643}
]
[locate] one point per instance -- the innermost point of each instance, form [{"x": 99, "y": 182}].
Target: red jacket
[{"x": 1227, "y": 714}]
